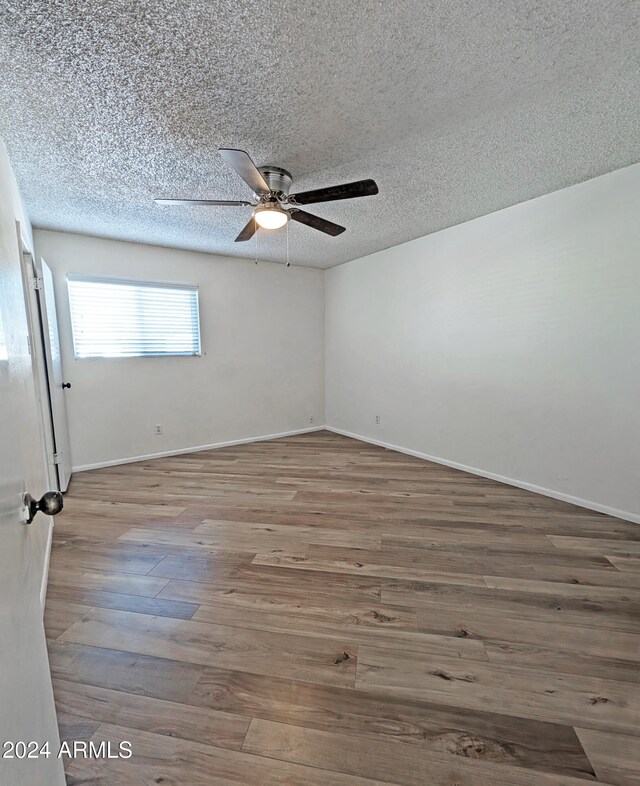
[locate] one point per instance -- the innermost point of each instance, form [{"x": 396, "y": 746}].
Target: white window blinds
[{"x": 117, "y": 318}]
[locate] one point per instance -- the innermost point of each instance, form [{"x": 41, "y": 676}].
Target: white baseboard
[
  {"x": 194, "y": 449},
  {"x": 45, "y": 572},
  {"x": 583, "y": 503}
]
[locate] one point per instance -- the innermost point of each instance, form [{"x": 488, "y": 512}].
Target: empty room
[{"x": 320, "y": 393}]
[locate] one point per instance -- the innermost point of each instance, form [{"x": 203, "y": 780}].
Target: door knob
[
  {"x": 49, "y": 503},
  {"x": 66, "y": 385}
]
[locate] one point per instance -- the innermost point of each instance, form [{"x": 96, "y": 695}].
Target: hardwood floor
[{"x": 314, "y": 611}]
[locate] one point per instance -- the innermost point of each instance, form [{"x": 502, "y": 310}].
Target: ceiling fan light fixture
[{"x": 271, "y": 217}]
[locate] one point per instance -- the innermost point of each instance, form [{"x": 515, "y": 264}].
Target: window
[{"x": 114, "y": 318}]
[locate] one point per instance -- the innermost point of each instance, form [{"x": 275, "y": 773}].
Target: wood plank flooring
[{"x": 314, "y": 610}]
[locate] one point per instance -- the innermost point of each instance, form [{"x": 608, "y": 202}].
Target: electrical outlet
[
  {"x": 158, "y": 429},
  {"x": 377, "y": 420},
  {"x": 311, "y": 419}
]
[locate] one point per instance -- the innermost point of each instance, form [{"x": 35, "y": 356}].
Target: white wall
[
  {"x": 509, "y": 344},
  {"x": 261, "y": 372}
]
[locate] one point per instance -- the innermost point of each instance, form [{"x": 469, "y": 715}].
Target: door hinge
[
  {"x": 37, "y": 283},
  {"x": 56, "y": 458}
]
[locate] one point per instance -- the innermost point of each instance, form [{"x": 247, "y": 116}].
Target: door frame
[
  {"x": 38, "y": 356},
  {"x": 41, "y": 383}
]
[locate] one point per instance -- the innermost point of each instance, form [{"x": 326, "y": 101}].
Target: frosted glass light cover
[{"x": 271, "y": 217}]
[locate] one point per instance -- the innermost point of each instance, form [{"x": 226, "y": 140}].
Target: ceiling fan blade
[
  {"x": 360, "y": 188},
  {"x": 315, "y": 222},
  {"x": 232, "y": 203},
  {"x": 248, "y": 230},
  {"x": 244, "y": 166}
]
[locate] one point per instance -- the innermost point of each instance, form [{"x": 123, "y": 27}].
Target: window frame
[{"x": 149, "y": 284}]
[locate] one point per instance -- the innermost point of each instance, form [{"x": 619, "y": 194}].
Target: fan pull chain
[
  {"x": 288, "y": 262},
  {"x": 255, "y": 234}
]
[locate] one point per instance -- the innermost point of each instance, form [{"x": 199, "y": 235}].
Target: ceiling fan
[{"x": 270, "y": 186}]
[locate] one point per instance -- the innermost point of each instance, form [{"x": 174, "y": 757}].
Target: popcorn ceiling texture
[{"x": 457, "y": 108}]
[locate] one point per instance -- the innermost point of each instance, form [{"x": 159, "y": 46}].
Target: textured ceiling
[{"x": 455, "y": 107}]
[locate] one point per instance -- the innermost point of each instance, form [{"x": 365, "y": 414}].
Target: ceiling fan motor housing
[{"x": 278, "y": 180}]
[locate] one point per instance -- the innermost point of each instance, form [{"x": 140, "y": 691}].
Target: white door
[
  {"x": 57, "y": 384},
  {"x": 27, "y": 711}
]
